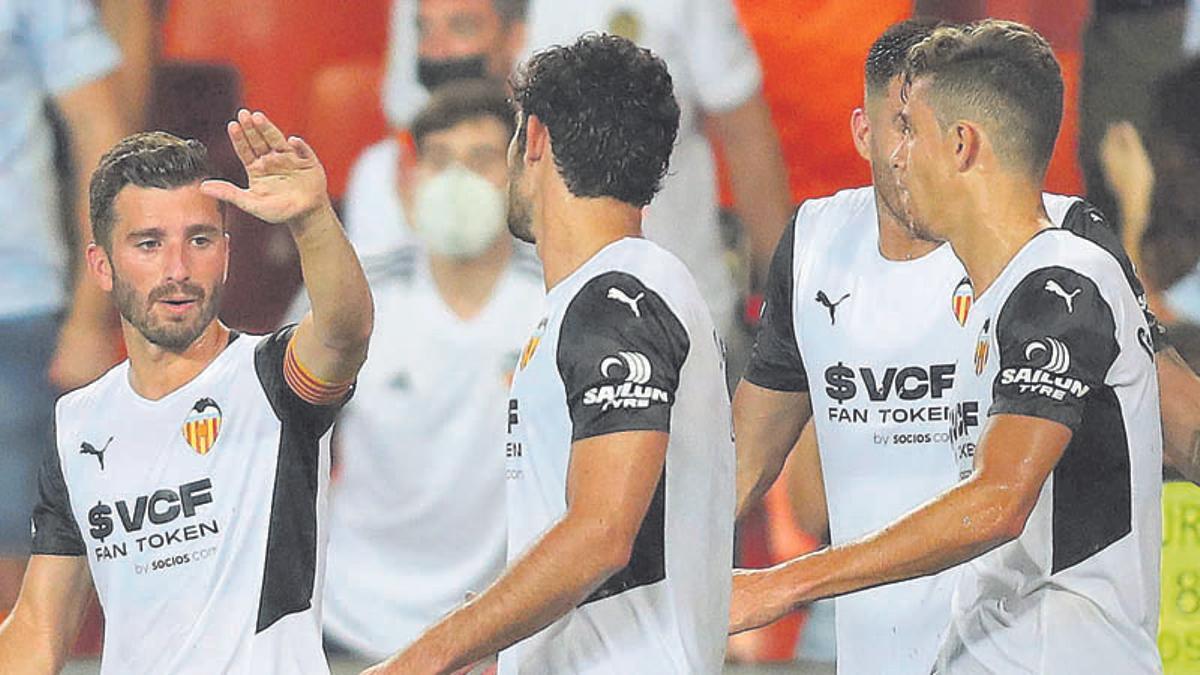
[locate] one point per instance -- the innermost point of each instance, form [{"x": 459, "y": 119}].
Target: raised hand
[{"x": 286, "y": 181}]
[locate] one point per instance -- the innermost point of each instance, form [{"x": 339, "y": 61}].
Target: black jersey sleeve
[
  {"x": 1088, "y": 222},
  {"x": 775, "y": 362},
  {"x": 620, "y": 353},
  {"x": 290, "y": 408},
  {"x": 55, "y": 531},
  {"x": 1056, "y": 337}
]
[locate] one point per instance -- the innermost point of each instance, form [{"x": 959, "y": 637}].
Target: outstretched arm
[
  {"x": 287, "y": 185},
  {"x": 610, "y": 483},
  {"x": 1015, "y": 455}
]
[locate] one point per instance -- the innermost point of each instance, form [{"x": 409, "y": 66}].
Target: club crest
[
  {"x": 982, "y": 347},
  {"x": 202, "y": 426},
  {"x": 960, "y": 303}
]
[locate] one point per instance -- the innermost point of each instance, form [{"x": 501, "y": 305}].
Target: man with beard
[
  {"x": 1053, "y": 419},
  {"x": 619, "y": 451},
  {"x": 188, "y": 482}
]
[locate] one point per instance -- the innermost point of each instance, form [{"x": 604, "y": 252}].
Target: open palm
[{"x": 286, "y": 181}]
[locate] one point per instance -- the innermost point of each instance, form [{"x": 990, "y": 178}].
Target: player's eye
[
  {"x": 148, "y": 244},
  {"x": 201, "y": 240}
]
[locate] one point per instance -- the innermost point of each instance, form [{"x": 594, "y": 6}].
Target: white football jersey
[
  {"x": 871, "y": 340},
  {"x": 200, "y": 514},
  {"x": 714, "y": 68},
  {"x": 627, "y": 344},
  {"x": 1060, "y": 335},
  {"x": 417, "y": 510}
]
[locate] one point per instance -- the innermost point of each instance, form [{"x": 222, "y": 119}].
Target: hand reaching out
[{"x": 286, "y": 181}]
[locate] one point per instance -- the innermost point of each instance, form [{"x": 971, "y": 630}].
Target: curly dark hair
[
  {"x": 153, "y": 159},
  {"x": 1001, "y": 73},
  {"x": 889, "y": 52},
  {"x": 610, "y": 109}
]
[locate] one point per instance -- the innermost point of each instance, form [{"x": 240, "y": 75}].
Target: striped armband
[{"x": 307, "y": 386}]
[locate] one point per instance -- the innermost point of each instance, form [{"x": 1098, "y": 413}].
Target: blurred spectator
[
  {"x": 417, "y": 516},
  {"x": 1155, "y": 185},
  {"x": 1126, "y": 47},
  {"x": 432, "y": 42},
  {"x": 53, "y": 56},
  {"x": 718, "y": 82}
]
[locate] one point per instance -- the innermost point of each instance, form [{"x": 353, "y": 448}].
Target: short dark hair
[
  {"x": 462, "y": 100},
  {"x": 151, "y": 159},
  {"x": 999, "y": 72},
  {"x": 611, "y": 112},
  {"x": 889, "y": 52}
]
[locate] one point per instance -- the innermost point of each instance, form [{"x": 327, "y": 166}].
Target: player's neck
[
  {"x": 574, "y": 229},
  {"x": 155, "y": 372},
  {"x": 897, "y": 241},
  {"x": 466, "y": 285},
  {"x": 997, "y": 223}
]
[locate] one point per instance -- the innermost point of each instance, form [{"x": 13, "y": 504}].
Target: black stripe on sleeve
[
  {"x": 289, "y": 573},
  {"x": 55, "y": 531},
  {"x": 775, "y": 362}
]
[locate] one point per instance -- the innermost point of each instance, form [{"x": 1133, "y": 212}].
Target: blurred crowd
[{"x": 405, "y": 102}]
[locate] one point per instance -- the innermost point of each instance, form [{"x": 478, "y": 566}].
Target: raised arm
[
  {"x": 287, "y": 185},
  {"x": 37, "y": 636}
]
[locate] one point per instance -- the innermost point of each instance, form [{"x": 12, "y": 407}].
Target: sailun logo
[
  {"x": 1058, "y": 357},
  {"x": 632, "y": 391}
]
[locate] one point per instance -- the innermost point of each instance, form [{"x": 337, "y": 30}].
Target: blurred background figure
[
  {"x": 57, "y": 71},
  {"x": 1154, "y": 178},
  {"x": 418, "y": 511},
  {"x": 433, "y": 42}
]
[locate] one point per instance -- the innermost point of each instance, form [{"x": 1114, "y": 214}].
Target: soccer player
[
  {"x": 188, "y": 482},
  {"x": 907, "y": 298},
  {"x": 1059, "y": 508},
  {"x": 417, "y": 510},
  {"x": 620, "y": 459}
]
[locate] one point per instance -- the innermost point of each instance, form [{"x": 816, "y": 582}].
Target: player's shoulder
[
  {"x": 96, "y": 392},
  {"x": 1059, "y": 206},
  {"x": 844, "y": 208}
]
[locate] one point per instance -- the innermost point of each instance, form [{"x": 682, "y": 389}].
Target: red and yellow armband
[{"x": 307, "y": 386}]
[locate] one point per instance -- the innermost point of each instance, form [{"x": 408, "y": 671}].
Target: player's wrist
[{"x": 315, "y": 219}]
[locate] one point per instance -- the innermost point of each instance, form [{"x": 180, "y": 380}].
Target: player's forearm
[
  {"x": 758, "y": 174},
  {"x": 337, "y": 289},
  {"x": 26, "y": 650},
  {"x": 570, "y": 561},
  {"x": 767, "y": 425},
  {"x": 963, "y": 523}
]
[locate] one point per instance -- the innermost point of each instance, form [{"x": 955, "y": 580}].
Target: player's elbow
[{"x": 1006, "y": 516}]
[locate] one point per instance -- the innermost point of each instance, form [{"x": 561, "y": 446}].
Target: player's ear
[
  {"x": 537, "y": 139},
  {"x": 100, "y": 266},
  {"x": 968, "y": 140},
  {"x": 860, "y": 131}
]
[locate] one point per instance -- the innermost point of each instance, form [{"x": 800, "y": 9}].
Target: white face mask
[{"x": 458, "y": 213}]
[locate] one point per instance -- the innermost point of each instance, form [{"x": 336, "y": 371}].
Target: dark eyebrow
[
  {"x": 203, "y": 228},
  {"x": 146, "y": 232}
]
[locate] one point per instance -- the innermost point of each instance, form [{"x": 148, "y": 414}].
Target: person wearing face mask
[
  {"x": 432, "y": 43},
  {"x": 417, "y": 512}
]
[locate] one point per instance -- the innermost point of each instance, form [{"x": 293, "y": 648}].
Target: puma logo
[
  {"x": 617, "y": 294},
  {"x": 1069, "y": 298},
  {"x": 831, "y": 306},
  {"x": 88, "y": 449}
]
